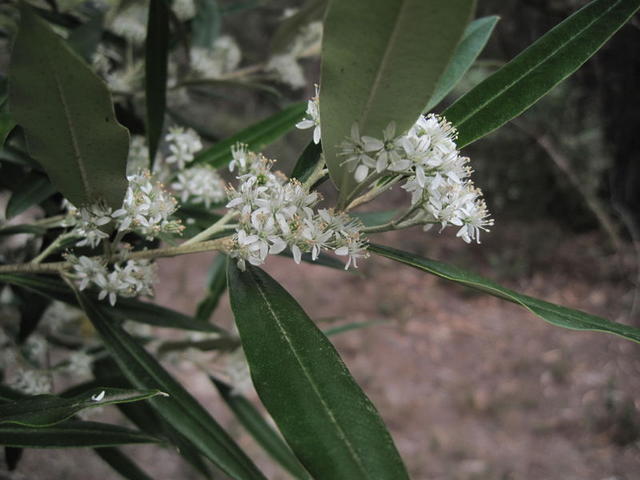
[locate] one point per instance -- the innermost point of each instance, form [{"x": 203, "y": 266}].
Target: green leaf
[
  {"x": 473, "y": 42},
  {"x": 144, "y": 417},
  {"x": 67, "y": 115},
  {"x": 397, "y": 52},
  {"x": 125, "y": 309},
  {"x": 205, "y": 26},
  {"x": 347, "y": 327},
  {"x": 257, "y": 136},
  {"x": 121, "y": 463},
  {"x": 47, "y": 410},
  {"x": 22, "y": 228},
  {"x": 323, "y": 414},
  {"x": 260, "y": 430},
  {"x": 156, "y": 62},
  {"x": 32, "y": 190},
  {"x": 71, "y": 433},
  {"x": 180, "y": 409},
  {"x": 372, "y": 219},
  {"x": 216, "y": 286},
  {"x": 528, "y": 77},
  {"x": 307, "y": 162},
  {"x": 290, "y": 27},
  {"x": 549, "y": 312},
  {"x": 7, "y": 124}
]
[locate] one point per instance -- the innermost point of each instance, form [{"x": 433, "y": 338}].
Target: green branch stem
[
  {"x": 54, "y": 246},
  {"x": 219, "y": 244},
  {"x": 217, "y": 227}
]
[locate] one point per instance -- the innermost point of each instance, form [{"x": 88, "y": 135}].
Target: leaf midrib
[
  {"x": 341, "y": 433},
  {"x": 74, "y": 141},
  {"x": 534, "y": 67}
]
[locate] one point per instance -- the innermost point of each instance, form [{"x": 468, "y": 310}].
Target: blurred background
[{"x": 471, "y": 388}]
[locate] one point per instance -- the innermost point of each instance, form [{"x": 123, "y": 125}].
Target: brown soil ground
[{"x": 470, "y": 387}]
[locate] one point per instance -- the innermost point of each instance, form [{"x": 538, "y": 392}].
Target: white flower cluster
[
  {"x": 276, "y": 212},
  {"x": 223, "y": 57},
  {"x": 200, "y": 185},
  {"x": 312, "y": 118},
  {"x": 128, "y": 278},
  {"x": 184, "y": 9},
  {"x": 131, "y": 23},
  {"x": 437, "y": 175},
  {"x": 146, "y": 210},
  {"x": 183, "y": 145}
]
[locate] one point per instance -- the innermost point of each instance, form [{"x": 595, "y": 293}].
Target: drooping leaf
[
  {"x": 22, "y": 228},
  {"x": 260, "y": 430},
  {"x": 72, "y": 433},
  {"x": 156, "y": 64},
  {"x": 67, "y": 115},
  {"x": 32, "y": 190},
  {"x": 475, "y": 38},
  {"x": 205, "y": 26},
  {"x": 216, "y": 286},
  {"x": 532, "y": 74},
  {"x": 290, "y": 27},
  {"x": 256, "y": 137},
  {"x": 145, "y": 418},
  {"x": 347, "y": 327},
  {"x": 121, "y": 463},
  {"x": 31, "y": 307},
  {"x": 126, "y": 308},
  {"x": 549, "y": 312},
  {"x": 396, "y": 53},
  {"x": 327, "y": 420},
  {"x": 180, "y": 409},
  {"x": 12, "y": 457},
  {"x": 47, "y": 410},
  {"x": 7, "y": 124}
]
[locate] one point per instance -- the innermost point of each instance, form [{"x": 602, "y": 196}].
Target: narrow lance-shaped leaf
[
  {"x": 121, "y": 463},
  {"x": 47, "y": 410},
  {"x": 216, "y": 285},
  {"x": 397, "y": 51},
  {"x": 554, "y": 314},
  {"x": 260, "y": 430},
  {"x": 180, "y": 409},
  {"x": 474, "y": 40},
  {"x": 156, "y": 62},
  {"x": 125, "y": 309},
  {"x": 307, "y": 162},
  {"x": 257, "y": 136},
  {"x": 532, "y": 74},
  {"x": 326, "y": 418},
  {"x": 32, "y": 190},
  {"x": 71, "y": 434},
  {"x": 67, "y": 115}
]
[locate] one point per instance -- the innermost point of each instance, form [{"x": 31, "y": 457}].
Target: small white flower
[
  {"x": 98, "y": 397},
  {"x": 288, "y": 70},
  {"x": 312, "y": 118}
]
